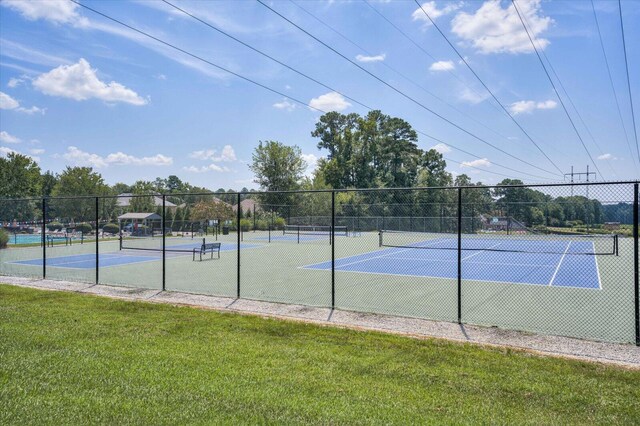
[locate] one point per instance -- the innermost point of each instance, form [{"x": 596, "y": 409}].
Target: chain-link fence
[{"x": 555, "y": 259}]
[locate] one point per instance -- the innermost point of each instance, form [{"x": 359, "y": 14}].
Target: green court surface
[{"x": 550, "y": 290}]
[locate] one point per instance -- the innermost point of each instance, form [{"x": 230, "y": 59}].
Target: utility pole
[{"x": 579, "y": 175}]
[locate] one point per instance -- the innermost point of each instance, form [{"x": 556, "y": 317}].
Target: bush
[
  {"x": 246, "y": 224},
  {"x": 84, "y": 228},
  {"x": 111, "y": 228},
  {"x": 55, "y": 226},
  {"x": 279, "y": 223},
  {"x": 4, "y": 238}
]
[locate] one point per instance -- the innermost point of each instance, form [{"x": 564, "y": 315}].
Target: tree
[
  {"x": 49, "y": 181},
  {"x": 208, "y": 210},
  {"x": 277, "y": 167},
  {"x": 76, "y": 182},
  {"x": 19, "y": 178},
  {"x": 143, "y": 200}
]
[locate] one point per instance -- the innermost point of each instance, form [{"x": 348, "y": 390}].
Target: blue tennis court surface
[
  {"x": 562, "y": 268},
  {"x": 125, "y": 257}
]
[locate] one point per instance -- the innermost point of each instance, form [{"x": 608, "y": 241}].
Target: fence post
[
  {"x": 164, "y": 242},
  {"x": 44, "y": 238},
  {"x": 97, "y": 241},
  {"x": 333, "y": 249},
  {"x": 239, "y": 230},
  {"x": 459, "y": 255},
  {"x": 636, "y": 278}
]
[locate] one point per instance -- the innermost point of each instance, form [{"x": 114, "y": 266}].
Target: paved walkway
[{"x": 609, "y": 353}]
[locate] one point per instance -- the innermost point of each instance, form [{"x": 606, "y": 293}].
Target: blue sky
[{"x": 79, "y": 89}]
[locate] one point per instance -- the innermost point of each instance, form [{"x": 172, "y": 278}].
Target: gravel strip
[{"x": 611, "y": 353}]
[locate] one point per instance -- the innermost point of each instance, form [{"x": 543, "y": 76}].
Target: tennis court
[
  {"x": 134, "y": 251},
  {"x": 567, "y": 262}
]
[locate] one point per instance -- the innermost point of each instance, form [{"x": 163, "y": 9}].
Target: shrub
[
  {"x": 246, "y": 224},
  {"x": 4, "y": 238},
  {"x": 111, "y": 228},
  {"x": 84, "y": 228},
  {"x": 279, "y": 223},
  {"x": 55, "y": 226}
]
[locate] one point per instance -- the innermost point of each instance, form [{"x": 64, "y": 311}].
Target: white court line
[
  {"x": 559, "y": 263},
  {"x": 391, "y": 251},
  {"x": 480, "y": 252},
  {"x": 597, "y": 268},
  {"x": 419, "y": 259}
]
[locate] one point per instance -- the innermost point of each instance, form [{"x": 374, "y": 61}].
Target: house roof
[
  {"x": 124, "y": 200},
  {"x": 140, "y": 216},
  {"x": 247, "y": 205}
]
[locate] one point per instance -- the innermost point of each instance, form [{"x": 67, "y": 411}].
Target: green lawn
[{"x": 69, "y": 358}]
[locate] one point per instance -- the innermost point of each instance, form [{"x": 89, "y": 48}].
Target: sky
[{"x": 79, "y": 89}]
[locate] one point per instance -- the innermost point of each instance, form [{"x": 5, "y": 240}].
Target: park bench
[{"x": 207, "y": 248}]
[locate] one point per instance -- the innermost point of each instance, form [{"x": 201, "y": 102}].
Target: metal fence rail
[{"x": 557, "y": 259}]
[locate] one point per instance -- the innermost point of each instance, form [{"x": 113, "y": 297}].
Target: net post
[
  {"x": 333, "y": 250},
  {"x": 380, "y": 238},
  {"x": 298, "y": 234},
  {"x": 254, "y": 217},
  {"x": 164, "y": 242},
  {"x": 459, "y": 255},
  {"x": 636, "y": 277},
  {"x": 44, "y": 241},
  {"x": 97, "y": 241},
  {"x": 238, "y": 261}
]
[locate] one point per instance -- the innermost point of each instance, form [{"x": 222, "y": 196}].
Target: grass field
[{"x": 69, "y": 359}]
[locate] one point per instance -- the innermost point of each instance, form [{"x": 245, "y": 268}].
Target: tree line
[{"x": 365, "y": 152}]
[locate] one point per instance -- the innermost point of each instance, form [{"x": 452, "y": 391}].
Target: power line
[
  {"x": 422, "y": 49},
  {"x": 486, "y": 87},
  {"x": 322, "y": 84},
  {"x": 626, "y": 65},
  {"x": 554, "y": 87},
  {"x": 613, "y": 88},
  {"x": 196, "y": 56},
  {"x": 575, "y": 109},
  {"x": 264, "y": 54},
  {"x": 395, "y": 89},
  {"x": 478, "y": 157},
  {"x": 404, "y": 76}
]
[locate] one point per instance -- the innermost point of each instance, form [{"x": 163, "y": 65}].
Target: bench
[{"x": 207, "y": 248}]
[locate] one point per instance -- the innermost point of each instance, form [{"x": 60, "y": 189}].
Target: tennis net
[
  {"x": 580, "y": 244},
  {"x": 172, "y": 244},
  {"x": 315, "y": 230}
]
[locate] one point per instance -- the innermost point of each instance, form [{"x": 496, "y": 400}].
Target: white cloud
[
  {"x": 78, "y": 157},
  {"x": 15, "y": 82},
  {"x": 36, "y": 151},
  {"x": 228, "y": 154},
  {"x": 7, "y": 102},
  {"x": 4, "y": 151},
  {"x": 80, "y": 82},
  {"x": 492, "y": 29},
  {"x": 55, "y": 11},
  {"x": 441, "y": 148},
  {"x": 527, "y": 107},
  {"x": 285, "y": 104},
  {"x": 376, "y": 58},
  {"x": 5, "y": 137},
  {"x": 472, "y": 97},
  {"x": 312, "y": 162},
  {"x": 481, "y": 162},
  {"x": 432, "y": 9},
  {"x": 607, "y": 156},
  {"x": 161, "y": 77},
  {"x": 331, "y": 101},
  {"x": 442, "y": 66},
  {"x": 210, "y": 168}
]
